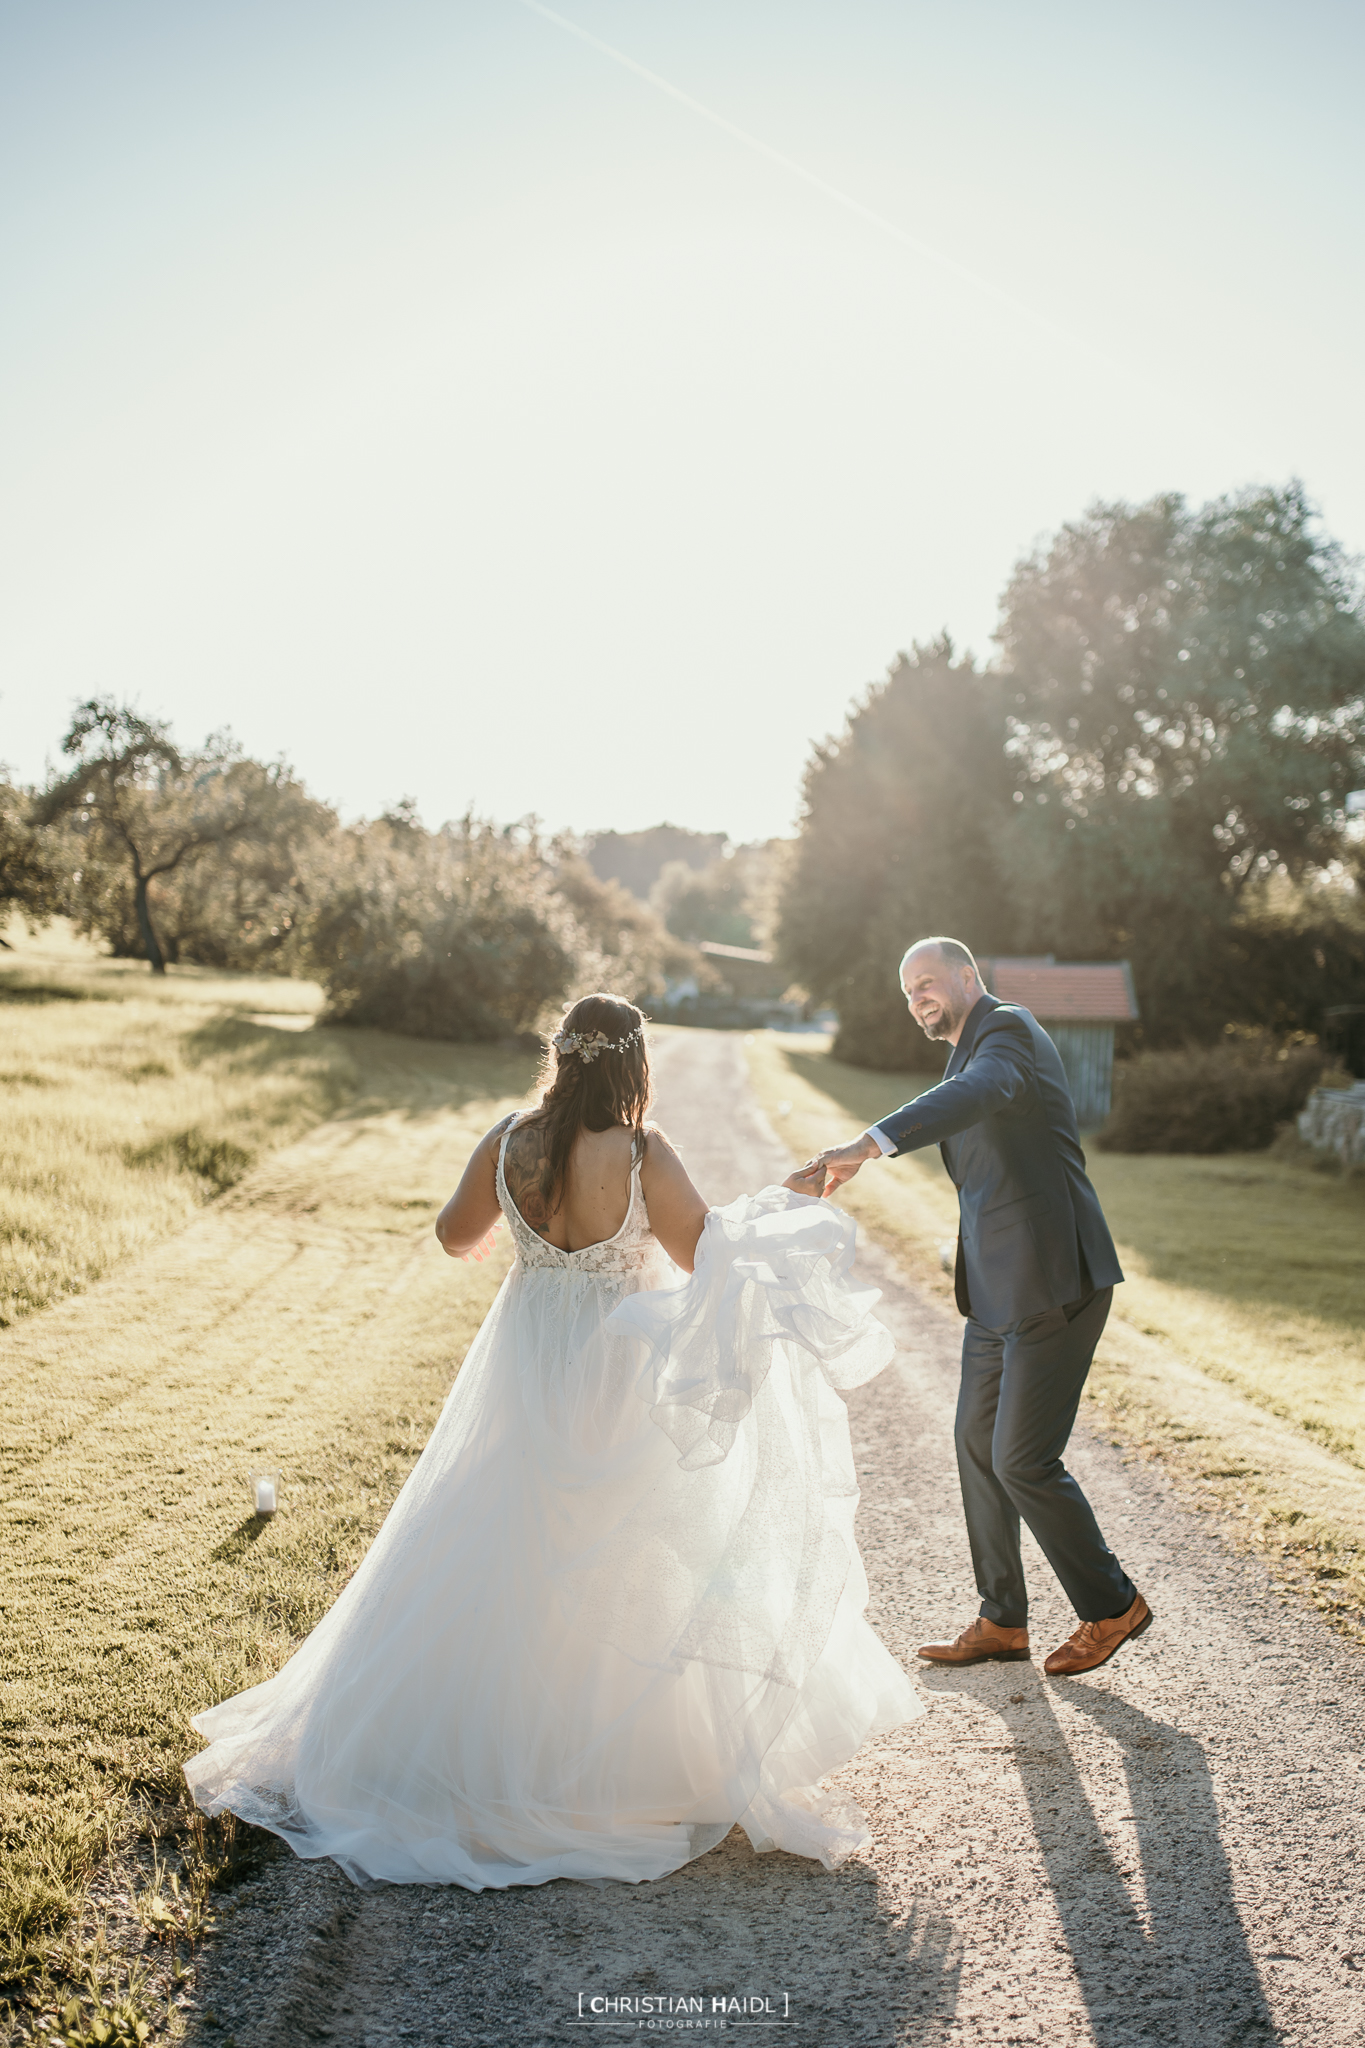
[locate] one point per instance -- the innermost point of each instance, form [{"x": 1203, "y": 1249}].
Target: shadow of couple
[{"x": 1155, "y": 1937}]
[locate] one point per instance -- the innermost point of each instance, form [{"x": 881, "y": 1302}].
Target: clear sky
[{"x": 432, "y": 398}]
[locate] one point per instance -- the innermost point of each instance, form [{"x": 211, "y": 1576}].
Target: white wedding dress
[{"x": 617, "y": 1606}]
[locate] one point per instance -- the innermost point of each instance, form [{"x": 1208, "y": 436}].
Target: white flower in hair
[{"x": 587, "y": 1044}]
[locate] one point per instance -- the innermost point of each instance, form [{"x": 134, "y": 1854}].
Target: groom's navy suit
[{"x": 1036, "y": 1270}]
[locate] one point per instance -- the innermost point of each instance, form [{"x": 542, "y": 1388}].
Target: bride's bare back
[
  {"x": 597, "y": 1091},
  {"x": 594, "y": 1200},
  {"x": 595, "y": 1197}
]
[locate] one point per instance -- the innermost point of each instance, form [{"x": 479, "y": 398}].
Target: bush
[
  {"x": 472, "y": 932},
  {"x": 453, "y": 934},
  {"x": 1228, "y": 1097}
]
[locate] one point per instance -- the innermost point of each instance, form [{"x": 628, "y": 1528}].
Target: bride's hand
[
  {"x": 807, "y": 1180},
  {"x": 482, "y": 1250}
]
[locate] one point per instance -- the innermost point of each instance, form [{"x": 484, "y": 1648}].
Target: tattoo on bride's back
[{"x": 526, "y": 1170}]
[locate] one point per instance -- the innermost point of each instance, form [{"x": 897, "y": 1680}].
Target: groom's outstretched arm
[{"x": 997, "y": 1076}]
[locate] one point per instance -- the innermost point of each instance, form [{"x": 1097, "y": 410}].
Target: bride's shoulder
[
  {"x": 661, "y": 1158},
  {"x": 491, "y": 1141}
]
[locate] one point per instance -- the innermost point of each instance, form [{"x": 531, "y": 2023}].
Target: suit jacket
[{"x": 1032, "y": 1234}]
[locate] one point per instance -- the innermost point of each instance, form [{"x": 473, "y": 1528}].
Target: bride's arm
[
  {"x": 466, "y": 1224},
  {"x": 676, "y": 1211}
]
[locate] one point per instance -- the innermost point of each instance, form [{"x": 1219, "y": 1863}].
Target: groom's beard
[{"x": 944, "y": 1023}]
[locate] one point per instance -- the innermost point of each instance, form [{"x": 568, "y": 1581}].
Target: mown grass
[
  {"x": 130, "y": 1101},
  {"x": 307, "y": 1319},
  {"x": 1245, "y": 1271}
]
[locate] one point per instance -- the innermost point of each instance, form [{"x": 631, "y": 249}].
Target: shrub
[
  {"x": 472, "y": 932},
  {"x": 1228, "y": 1097},
  {"x": 453, "y": 934}
]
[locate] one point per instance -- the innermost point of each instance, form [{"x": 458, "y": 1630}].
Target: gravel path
[{"x": 1165, "y": 1852}]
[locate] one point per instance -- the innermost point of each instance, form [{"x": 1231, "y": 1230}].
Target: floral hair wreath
[{"x": 587, "y": 1044}]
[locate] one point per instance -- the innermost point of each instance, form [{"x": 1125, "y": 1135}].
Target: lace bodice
[{"x": 633, "y": 1252}]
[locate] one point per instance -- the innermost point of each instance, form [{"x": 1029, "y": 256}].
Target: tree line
[
  {"x": 1155, "y": 768},
  {"x": 166, "y": 854}
]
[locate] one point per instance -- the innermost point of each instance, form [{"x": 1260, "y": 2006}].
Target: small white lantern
[{"x": 265, "y": 1492}]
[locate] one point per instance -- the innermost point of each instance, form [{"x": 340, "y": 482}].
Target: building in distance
[{"x": 1078, "y": 1004}]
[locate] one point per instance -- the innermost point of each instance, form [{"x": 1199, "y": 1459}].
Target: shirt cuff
[{"x": 879, "y": 1137}]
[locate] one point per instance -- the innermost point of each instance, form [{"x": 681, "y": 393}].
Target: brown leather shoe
[
  {"x": 1096, "y": 1641},
  {"x": 980, "y": 1643}
]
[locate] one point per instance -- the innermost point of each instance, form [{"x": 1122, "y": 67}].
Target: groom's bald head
[
  {"x": 942, "y": 983},
  {"x": 951, "y": 950}
]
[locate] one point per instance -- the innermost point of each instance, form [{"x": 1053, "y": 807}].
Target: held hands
[
  {"x": 839, "y": 1163},
  {"x": 807, "y": 1180}
]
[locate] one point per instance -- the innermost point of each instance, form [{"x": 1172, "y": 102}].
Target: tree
[
  {"x": 143, "y": 813},
  {"x": 29, "y": 882},
  {"x": 1186, "y": 702},
  {"x": 1156, "y": 770},
  {"x": 734, "y": 900},
  {"x": 453, "y": 934},
  {"x": 638, "y": 858},
  {"x": 900, "y": 837},
  {"x": 705, "y": 903},
  {"x": 619, "y": 943}
]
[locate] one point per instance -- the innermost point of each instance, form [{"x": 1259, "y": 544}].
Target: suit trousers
[{"x": 1021, "y": 1388}]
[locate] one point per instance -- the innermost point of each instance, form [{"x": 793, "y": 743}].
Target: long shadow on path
[{"x": 1159, "y": 1950}]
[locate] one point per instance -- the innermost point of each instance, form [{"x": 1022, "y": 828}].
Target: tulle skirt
[{"x": 618, "y": 1605}]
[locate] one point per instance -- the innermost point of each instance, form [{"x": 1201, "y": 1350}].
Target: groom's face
[{"x": 938, "y": 992}]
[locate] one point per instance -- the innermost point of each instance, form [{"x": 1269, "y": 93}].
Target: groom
[{"x": 1036, "y": 1271}]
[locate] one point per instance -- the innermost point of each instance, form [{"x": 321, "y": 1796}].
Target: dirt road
[{"x": 1167, "y": 1852}]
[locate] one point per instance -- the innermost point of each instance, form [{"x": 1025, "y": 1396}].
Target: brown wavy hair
[{"x": 614, "y": 1088}]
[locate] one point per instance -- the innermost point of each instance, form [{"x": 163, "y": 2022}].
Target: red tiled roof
[{"x": 1065, "y": 994}]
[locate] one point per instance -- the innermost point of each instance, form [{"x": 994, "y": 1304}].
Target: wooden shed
[
  {"x": 744, "y": 971},
  {"x": 1078, "y": 1003}
]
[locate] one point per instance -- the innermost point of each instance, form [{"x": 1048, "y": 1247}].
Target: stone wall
[{"x": 1334, "y": 1121}]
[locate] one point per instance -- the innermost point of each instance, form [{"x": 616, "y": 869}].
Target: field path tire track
[{"x": 1170, "y": 1851}]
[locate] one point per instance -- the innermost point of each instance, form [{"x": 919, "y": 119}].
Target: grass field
[
  {"x": 303, "y": 1318},
  {"x": 1237, "y": 1344},
  {"x": 131, "y": 1100}
]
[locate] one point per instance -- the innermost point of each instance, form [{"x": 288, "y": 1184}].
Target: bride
[{"x": 617, "y": 1606}]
